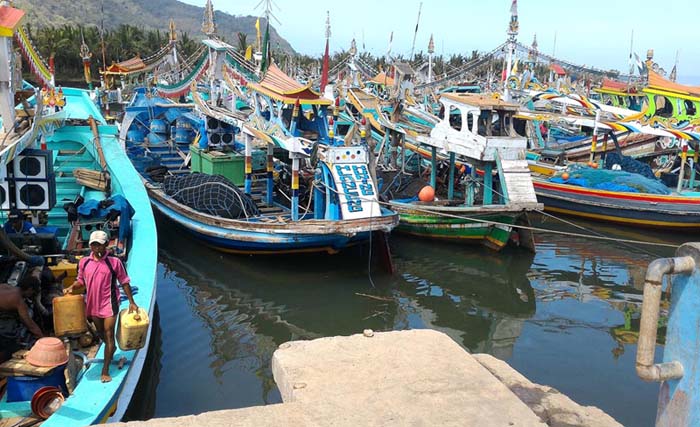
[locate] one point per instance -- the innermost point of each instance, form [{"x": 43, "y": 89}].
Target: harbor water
[{"x": 566, "y": 316}]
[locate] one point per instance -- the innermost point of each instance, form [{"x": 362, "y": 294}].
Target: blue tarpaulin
[{"x": 93, "y": 209}]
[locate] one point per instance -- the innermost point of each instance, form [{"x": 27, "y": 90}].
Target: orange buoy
[
  {"x": 426, "y": 194},
  {"x": 565, "y": 176}
]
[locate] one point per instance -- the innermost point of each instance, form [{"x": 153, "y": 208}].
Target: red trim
[{"x": 616, "y": 195}]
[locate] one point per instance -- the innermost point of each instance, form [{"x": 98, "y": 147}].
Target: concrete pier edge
[{"x": 413, "y": 377}]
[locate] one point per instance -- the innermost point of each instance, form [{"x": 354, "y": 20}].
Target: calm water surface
[{"x": 566, "y": 316}]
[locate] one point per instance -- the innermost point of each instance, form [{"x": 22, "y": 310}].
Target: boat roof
[
  {"x": 382, "y": 79},
  {"x": 9, "y": 20},
  {"x": 659, "y": 83},
  {"x": 125, "y": 67},
  {"x": 558, "y": 69},
  {"x": 481, "y": 101},
  {"x": 278, "y": 85},
  {"x": 616, "y": 87}
]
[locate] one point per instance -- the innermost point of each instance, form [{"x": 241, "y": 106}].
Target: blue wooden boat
[
  {"x": 334, "y": 216},
  {"x": 69, "y": 137}
]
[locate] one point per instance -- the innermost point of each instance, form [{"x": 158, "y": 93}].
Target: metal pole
[
  {"x": 295, "y": 189},
  {"x": 248, "y": 166},
  {"x": 270, "y": 183}
]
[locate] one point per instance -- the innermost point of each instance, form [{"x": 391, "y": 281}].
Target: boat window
[
  {"x": 690, "y": 108},
  {"x": 664, "y": 106},
  {"x": 455, "y": 118}
]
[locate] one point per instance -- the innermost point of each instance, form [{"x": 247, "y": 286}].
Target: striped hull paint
[
  {"x": 264, "y": 239},
  {"x": 439, "y": 227},
  {"x": 632, "y": 209}
]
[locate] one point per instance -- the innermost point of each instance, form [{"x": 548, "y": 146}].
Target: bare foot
[{"x": 105, "y": 378}]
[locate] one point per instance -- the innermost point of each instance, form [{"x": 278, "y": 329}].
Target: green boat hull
[{"x": 435, "y": 226}]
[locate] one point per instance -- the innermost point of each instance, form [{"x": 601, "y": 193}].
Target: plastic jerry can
[
  {"x": 69, "y": 315},
  {"x": 132, "y": 329}
]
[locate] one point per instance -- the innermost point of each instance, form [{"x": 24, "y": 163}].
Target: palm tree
[{"x": 242, "y": 42}]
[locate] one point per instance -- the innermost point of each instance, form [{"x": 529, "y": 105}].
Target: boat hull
[
  {"x": 631, "y": 209},
  {"x": 465, "y": 225},
  {"x": 274, "y": 237}
]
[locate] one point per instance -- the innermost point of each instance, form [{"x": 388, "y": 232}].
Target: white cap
[{"x": 98, "y": 236}]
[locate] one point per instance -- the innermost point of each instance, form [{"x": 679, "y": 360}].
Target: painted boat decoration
[{"x": 670, "y": 212}]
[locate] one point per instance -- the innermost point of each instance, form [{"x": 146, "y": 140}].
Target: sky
[{"x": 591, "y": 32}]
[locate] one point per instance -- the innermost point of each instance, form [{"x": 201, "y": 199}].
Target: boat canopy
[
  {"x": 277, "y": 85},
  {"x": 382, "y": 79},
  {"x": 480, "y": 101},
  {"x": 657, "y": 83},
  {"x": 133, "y": 65},
  {"x": 615, "y": 87}
]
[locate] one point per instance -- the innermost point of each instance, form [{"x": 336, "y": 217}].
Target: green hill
[{"x": 149, "y": 14}]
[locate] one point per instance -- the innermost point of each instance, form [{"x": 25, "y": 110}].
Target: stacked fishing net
[
  {"x": 610, "y": 180},
  {"x": 210, "y": 194}
]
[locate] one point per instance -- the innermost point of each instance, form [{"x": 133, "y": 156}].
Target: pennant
[
  {"x": 257, "y": 32},
  {"x": 514, "y": 8},
  {"x": 249, "y": 53},
  {"x": 324, "y": 72}
]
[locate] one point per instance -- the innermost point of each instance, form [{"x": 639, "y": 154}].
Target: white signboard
[{"x": 356, "y": 190}]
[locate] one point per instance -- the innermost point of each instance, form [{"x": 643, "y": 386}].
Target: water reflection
[{"x": 566, "y": 316}]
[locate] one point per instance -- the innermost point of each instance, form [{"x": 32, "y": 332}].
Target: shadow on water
[{"x": 566, "y": 316}]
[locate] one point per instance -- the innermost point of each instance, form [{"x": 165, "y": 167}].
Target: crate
[{"x": 229, "y": 165}]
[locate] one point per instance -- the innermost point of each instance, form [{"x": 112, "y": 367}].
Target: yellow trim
[
  {"x": 671, "y": 94},
  {"x": 542, "y": 170},
  {"x": 109, "y": 413},
  {"x": 620, "y": 219},
  {"x": 288, "y": 99},
  {"x": 630, "y": 196},
  {"x": 614, "y": 92}
]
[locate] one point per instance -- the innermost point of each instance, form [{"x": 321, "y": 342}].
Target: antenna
[
  {"x": 268, "y": 5},
  {"x": 415, "y": 33}
]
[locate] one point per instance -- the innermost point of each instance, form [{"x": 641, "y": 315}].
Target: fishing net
[
  {"x": 210, "y": 194},
  {"x": 611, "y": 180},
  {"x": 628, "y": 164}
]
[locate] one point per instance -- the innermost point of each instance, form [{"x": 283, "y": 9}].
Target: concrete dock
[{"x": 415, "y": 377}]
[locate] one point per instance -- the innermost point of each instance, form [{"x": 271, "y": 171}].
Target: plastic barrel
[
  {"x": 135, "y": 136},
  {"x": 183, "y": 135},
  {"x": 159, "y": 126},
  {"x": 156, "y": 138}
]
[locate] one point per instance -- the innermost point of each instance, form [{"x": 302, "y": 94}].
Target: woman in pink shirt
[{"x": 99, "y": 274}]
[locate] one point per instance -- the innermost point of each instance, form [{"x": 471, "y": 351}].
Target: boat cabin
[{"x": 478, "y": 127}]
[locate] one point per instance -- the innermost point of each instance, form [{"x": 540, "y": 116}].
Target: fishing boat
[
  {"x": 71, "y": 157},
  {"x": 295, "y": 187},
  {"x": 479, "y": 130}
]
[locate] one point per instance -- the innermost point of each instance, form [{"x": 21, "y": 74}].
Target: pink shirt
[{"x": 101, "y": 298}]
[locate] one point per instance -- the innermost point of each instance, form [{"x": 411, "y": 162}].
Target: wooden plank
[{"x": 20, "y": 367}]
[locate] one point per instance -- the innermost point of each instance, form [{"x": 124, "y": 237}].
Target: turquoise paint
[
  {"x": 488, "y": 184},
  {"x": 92, "y": 399},
  {"x": 679, "y": 400}
]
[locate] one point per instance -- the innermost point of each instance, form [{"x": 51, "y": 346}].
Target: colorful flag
[
  {"x": 257, "y": 32},
  {"x": 249, "y": 53},
  {"x": 266, "y": 55},
  {"x": 324, "y": 72}
]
